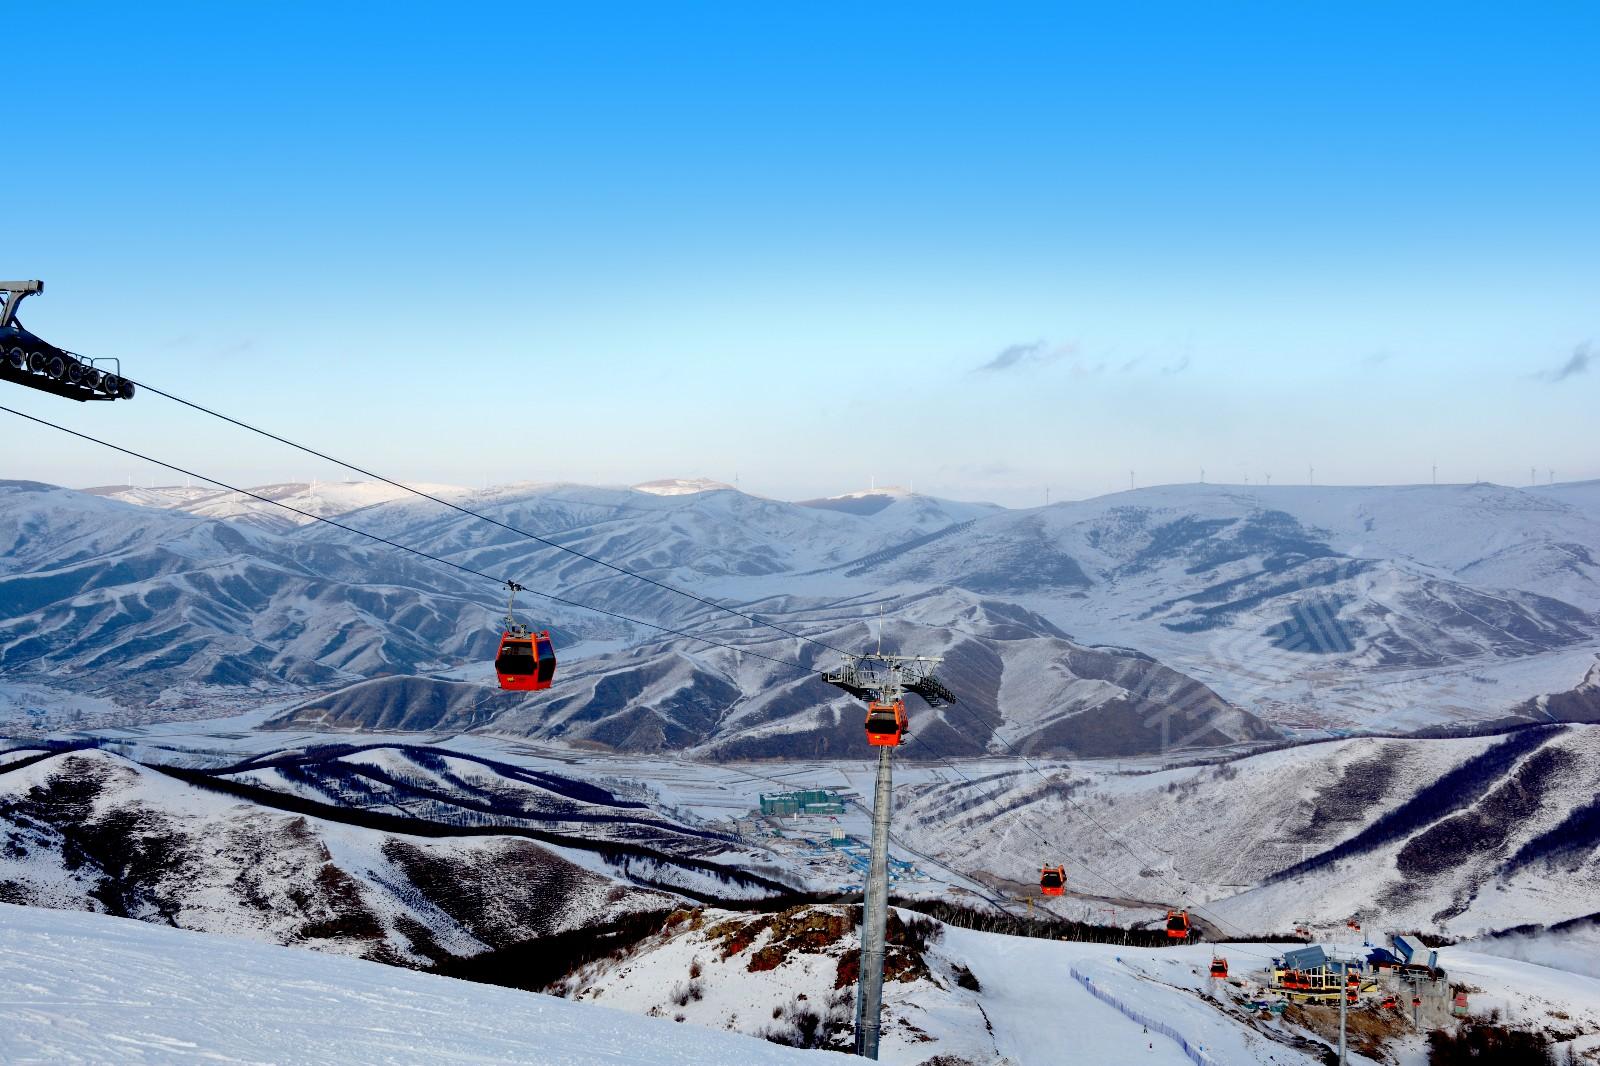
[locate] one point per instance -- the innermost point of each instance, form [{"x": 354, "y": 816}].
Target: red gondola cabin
[
  {"x": 1178, "y": 925},
  {"x": 886, "y": 723},
  {"x": 1053, "y": 880},
  {"x": 1219, "y": 967},
  {"x": 526, "y": 661}
]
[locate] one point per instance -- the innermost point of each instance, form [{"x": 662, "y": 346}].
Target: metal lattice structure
[{"x": 886, "y": 678}]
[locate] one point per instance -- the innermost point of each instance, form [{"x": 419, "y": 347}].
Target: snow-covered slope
[
  {"x": 1581, "y": 496},
  {"x": 1352, "y": 607},
  {"x": 680, "y": 486},
  {"x": 92, "y": 831},
  {"x": 86, "y": 988},
  {"x": 92, "y": 989},
  {"x": 1058, "y": 696},
  {"x": 158, "y": 607},
  {"x": 955, "y": 995},
  {"x": 1453, "y": 836},
  {"x": 950, "y": 995},
  {"x": 326, "y": 499}
]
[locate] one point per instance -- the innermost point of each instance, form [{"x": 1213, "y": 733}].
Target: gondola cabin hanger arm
[{"x": 526, "y": 661}]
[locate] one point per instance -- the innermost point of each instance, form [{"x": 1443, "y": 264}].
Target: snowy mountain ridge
[{"x": 1389, "y": 608}]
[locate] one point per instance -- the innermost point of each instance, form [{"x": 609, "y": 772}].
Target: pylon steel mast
[{"x": 881, "y": 680}]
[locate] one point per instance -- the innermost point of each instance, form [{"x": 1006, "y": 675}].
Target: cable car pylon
[{"x": 882, "y": 681}]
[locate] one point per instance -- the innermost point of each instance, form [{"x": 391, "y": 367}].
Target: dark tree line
[
  {"x": 1451, "y": 792},
  {"x": 1043, "y": 928}
]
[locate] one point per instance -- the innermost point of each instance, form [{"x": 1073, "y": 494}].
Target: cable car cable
[
  {"x": 405, "y": 547},
  {"x": 486, "y": 518}
]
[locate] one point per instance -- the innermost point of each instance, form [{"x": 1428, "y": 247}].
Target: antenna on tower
[{"x": 1311, "y": 474}]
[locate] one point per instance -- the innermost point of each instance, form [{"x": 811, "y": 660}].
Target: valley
[{"x": 1274, "y": 712}]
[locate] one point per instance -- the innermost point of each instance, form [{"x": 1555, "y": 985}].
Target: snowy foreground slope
[
  {"x": 91, "y": 989},
  {"x": 951, "y": 996},
  {"x": 85, "y": 988}
]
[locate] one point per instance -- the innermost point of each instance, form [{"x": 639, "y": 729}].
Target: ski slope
[
  {"x": 86, "y": 988},
  {"x": 78, "y": 987}
]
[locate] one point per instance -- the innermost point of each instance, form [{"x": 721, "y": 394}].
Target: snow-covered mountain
[
  {"x": 1355, "y": 607},
  {"x": 1058, "y": 696},
  {"x": 192, "y": 606},
  {"x": 1450, "y": 836},
  {"x": 680, "y": 486},
  {"x": 150, "y": 605},
  {"x": 1352, "y": 608},
  {"x": 450, "y": 858},
  {"x": 323, "y": 498},
  {"x": 403, "y": 855}
]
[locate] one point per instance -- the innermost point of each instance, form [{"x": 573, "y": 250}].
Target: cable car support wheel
[{"x": 26, "y": 359}]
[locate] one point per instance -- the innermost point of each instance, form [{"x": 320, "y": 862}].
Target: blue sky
[{"x": 611, "y": 243}]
